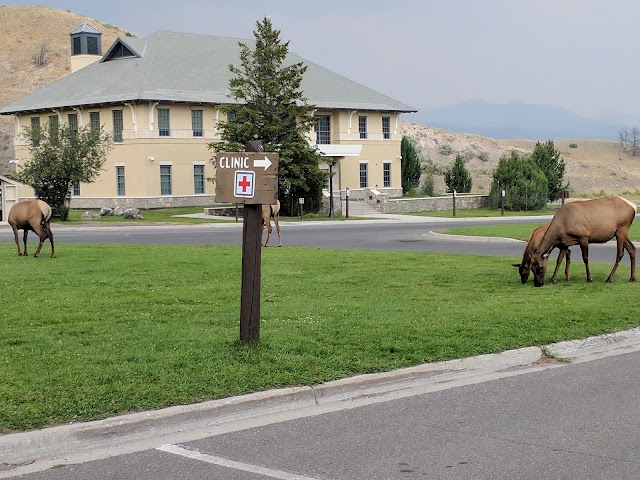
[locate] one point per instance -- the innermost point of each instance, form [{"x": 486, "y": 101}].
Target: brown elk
[
  {"x": 269, "y": 211},
  {"x": 524, "y": 267},
  {"x": 35, "y": 216},
  {"x": 582, "y": 223}
]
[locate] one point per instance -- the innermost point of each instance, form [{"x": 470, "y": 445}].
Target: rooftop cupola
[{"x": 86, "y": 46}]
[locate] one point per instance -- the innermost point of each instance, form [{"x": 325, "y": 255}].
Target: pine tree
[
  {"x": 410, "y": 164},
  {"x": 457, "y": 177},
  {"x": 552, "y": 165},
  {"x": 270, "y": 107}
]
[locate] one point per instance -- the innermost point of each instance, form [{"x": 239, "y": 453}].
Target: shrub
[
  {"x": 457, "y": 177},
  {"x": 445, "y": 150},
  {"x": 524, "y": 183},
  {"x": 573, "y": 145}
]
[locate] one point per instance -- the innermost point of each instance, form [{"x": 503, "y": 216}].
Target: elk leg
[
  {"x": 41, "y": 234},
  {"x": 619, "y": 254},
  {"x": 567, "y": 264},
  {"x": 276, "y": 220},
  {"x": 47, "y": 230},
  {"x": 561, "y": 256},
  {"x": 584, "y": 246},
  {"x": 269, "y": 229},
  {"x": 24, "y": 240},
  {"x": 631, "y": 248},
  {"x": 15, "y": 234}
]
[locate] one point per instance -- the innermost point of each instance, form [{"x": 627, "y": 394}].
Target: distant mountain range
[{"x": 516, "y": 120}]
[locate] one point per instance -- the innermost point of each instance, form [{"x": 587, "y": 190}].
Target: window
[
  {"x": 54, "y": 128},
  {"x": 362, "y": 126},
  {"x": 92, "y": 45},
  {"x": 386, "y": 174},
  {"x": 120, "y": 181},
  {"x": 35, "y": 131},
  {"x": 198, "y": 179},
  {"x": 232, "y": 116},
  {"x": 117, "y": 126},
  {"x": 73, "y": 122},
  {"x": 94, "y": 121},
  {"x": 196, "y": 122},
  {"x": 386, "y": 128},
  {"x": 364, "y": 175},
  {"x": 76, "y": 189},
  {"x": 165, "y": 179},
  {"x": 323, "y": 130},
  {"x": 77, "y": 46},
  {"x": 163, "y": 122}
]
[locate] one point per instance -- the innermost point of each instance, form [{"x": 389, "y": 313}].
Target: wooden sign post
[{"x": 250, "y": 178}]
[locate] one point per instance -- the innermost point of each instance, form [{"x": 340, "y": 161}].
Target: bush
[
  {"x": 445, "y": 150},
  {"x": 457, "y": 177},
  {"x": 524, "y": 183},
  {"x": 428, "y": 187},
  {"x": 573, "y": 145}
]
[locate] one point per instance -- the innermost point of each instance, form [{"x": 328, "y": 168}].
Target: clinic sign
[{"x": 247, "y": 177}]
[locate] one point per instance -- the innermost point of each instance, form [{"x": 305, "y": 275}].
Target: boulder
[
  {"x": 133, "y": 213},
  {"x": 90, "y": 216},
  {"x": 119, "y": 210},
  {"x": 106, "y": 212}
]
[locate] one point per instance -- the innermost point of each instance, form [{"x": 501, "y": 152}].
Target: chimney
[{"x": 86, "y": 46}]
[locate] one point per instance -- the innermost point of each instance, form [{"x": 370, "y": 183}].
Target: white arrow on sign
[{"x": 266, "y": 163}]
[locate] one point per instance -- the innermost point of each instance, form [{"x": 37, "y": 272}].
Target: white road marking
[{"x": 223, "y": 462}]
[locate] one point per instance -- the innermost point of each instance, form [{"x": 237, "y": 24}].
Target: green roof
[{"x": 187, "y": 68}]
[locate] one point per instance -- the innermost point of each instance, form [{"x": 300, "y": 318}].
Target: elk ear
[
  {"x": 518, "y": 265},
  {"x": 546, "y": 255}
]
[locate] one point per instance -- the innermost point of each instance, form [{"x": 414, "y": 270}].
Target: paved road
[{"x": 388, "y": 233}]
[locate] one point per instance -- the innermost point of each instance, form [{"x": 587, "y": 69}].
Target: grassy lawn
[
  {"x": 520, "y": 231},
  {"x": 486, "y": 212},
  {"x": 108, "y": 329},
  {"x": 172, "y": 216}
]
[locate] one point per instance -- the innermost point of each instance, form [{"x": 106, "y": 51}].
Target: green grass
[
  {"x": 486, "y": 212},
  {"x": 170, "y": 216},
  {"x": 520, "y": 231},
  {"x": 107, "y": 329}
]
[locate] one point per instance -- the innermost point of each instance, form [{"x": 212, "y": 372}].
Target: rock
[
  {"x": 90, "y": 216},
  {"x": 106, "y": 212},
  {"x": 133, "y": 213},
  {"x": 119, "y": 210}
]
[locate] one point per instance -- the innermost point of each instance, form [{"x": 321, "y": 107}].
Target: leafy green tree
[
  {"x": 457, "y": 177},
  {"x": 270, "y": 107},
  {"x": 553, "y": 165},
  {"x": 523, "y": 182},
  {"x": 410, "y": 164},
  {"x": 61, "y": 157}
]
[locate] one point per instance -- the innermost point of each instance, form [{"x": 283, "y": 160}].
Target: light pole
[
  {"x": 332, "y": 214},
  {"x": 346, "y": 194}
]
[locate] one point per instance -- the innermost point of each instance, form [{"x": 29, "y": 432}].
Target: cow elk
[
  {"x": 35, "y": 216},
  {"x": 582, "y": 223},
  {"x": 524, "y": 267},
  {"x": 268, "y": 212}
]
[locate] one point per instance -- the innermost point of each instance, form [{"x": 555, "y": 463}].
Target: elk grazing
[
  {"x": 582, "y": 223},
  {"x": 269, "y": 211},
  {"x": 532, "y": 245},
  {"x": 33, "y": 215}
]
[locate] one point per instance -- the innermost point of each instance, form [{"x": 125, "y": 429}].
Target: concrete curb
[
  {"x": 18, "y": 448},
  {"x": 57, "y": 442}
]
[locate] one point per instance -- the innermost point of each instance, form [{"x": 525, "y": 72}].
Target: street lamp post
[{"x": 332, "y": 214}]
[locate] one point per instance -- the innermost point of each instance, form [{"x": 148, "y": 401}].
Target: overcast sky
[{"x": 576, "y": 54}]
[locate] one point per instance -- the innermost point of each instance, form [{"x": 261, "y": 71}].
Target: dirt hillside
[
  {"x": 24, "y": 33},
  {"x": 593, "y": 167}
]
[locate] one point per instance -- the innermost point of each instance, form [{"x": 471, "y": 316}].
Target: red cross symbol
[{"x": 245, "y": 183}]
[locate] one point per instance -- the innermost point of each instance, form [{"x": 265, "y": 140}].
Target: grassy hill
[{"x": 594, "y": 167}]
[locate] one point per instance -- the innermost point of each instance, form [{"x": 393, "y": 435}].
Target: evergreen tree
[
  {"x": 553, "y": 165},
  {"x": 457, "y": 177},
  {"x": 410, "y": 165},
  {"x": 270, "y": 107},
  {"x": 61, "y": 157},
  {"x": 523, "y": 182}
]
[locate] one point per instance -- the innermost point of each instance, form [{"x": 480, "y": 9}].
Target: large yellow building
[{"x": 160, "y": 98}]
